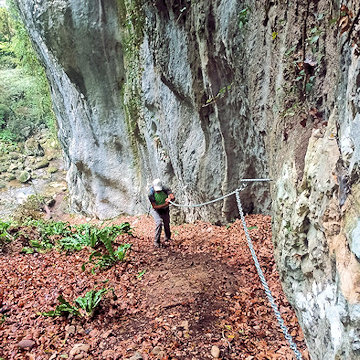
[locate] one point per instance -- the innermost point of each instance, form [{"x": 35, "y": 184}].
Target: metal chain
[
  {"x": 283, "y": 327},
  {"x": 243, "y": 181}
]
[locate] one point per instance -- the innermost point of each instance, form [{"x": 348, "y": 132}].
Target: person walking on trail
[{"x": 159, "y": 197}]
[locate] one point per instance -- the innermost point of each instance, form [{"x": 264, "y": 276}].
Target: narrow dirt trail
[{"x": 178, "y": 302}]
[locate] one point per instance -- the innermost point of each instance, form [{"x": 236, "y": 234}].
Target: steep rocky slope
[{"x": 204, "y": 93}]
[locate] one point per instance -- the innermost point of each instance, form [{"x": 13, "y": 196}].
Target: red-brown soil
[{"x": 200, "y": 291}]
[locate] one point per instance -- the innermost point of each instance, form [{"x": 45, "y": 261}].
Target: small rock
[
  {"x": 41, "y": 164},
  {"x": 80, "y": 330},
  {"x": 109, "y": 354},
  {"x": 52, "y": 169},
  {"x": 137, "y": 356},
  {"x": 13, "y": 167},
  {"x": 14, "y": 155},
  {"x": 78, "y": 348},
  {"x": 70, "y": 329},
  {"x": 215, "y": 352},
  {"x": 93, "y": 333},
  {"x": 161, "y": 355},
  {"x": 156, "y": 350},
  {"x": 53, "y": 356},
  {"x": 50, "y": 202},
  {"x": 26, "y": 344},
  {"x": 185, "y": 324}
]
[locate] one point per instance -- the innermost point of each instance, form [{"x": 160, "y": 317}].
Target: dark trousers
[{"x": 161, "y": 217}]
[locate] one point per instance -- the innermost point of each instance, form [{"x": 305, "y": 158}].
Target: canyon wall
[{"x": 205, "y": 93}]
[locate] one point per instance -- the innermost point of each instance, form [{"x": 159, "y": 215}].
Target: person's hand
[
  {"x": 167, "y": 200},
  {"x": 171, "y": 197}
]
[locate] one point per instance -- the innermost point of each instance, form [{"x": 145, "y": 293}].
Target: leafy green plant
[
  {"x": 73, "y": 243},
  {"x": 2, "y": 320},
  {"x": 141, "y": 274},
  {"x": 290, "y": 51},
  {"x": 47, "y": 230},
  {"x": 65, "y": 308},
  {"x": 121, "y": 251},
  {"x": 37, "y": 246},
  {"x": 220, "y": 94},
  {"x": 89, "y": 302},
  {"x": 27, "y": 250},
  {"x": 5, "y": 236},
  {"x": 243, "y": 17},
  {"x": 109, "y": 259},
  {"x": 124, "y": 228},
  {"x": 315, "y": 34}
]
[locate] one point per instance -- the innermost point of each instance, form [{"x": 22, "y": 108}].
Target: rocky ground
[
  {"x": 198, "y": 298},
  {"x": 31, "y": 168}
]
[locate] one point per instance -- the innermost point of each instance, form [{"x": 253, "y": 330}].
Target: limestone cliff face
[
  {"x": 204, "y": 93},
  {"x": 151, "y": 89}
]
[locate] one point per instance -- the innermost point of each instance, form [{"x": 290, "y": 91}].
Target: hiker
[{"x": 159, "y": 197}]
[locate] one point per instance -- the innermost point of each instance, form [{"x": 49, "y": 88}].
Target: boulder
[{"x": 24, "y": 177}]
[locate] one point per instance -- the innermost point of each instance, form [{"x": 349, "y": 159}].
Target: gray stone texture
[{"x": 202, "y": 94}]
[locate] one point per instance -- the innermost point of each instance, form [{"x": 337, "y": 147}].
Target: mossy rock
[
  {"x": 33, "y": 147},
  {"x": 11, "y": 177},
  {"x": 13, "y": 167},
  {"x": 24, "y": 177},
  {"x": 14, "y": 155},
  {"x": 52, "y": 169},
  {"x": 41, "y": 164},
  {"x": 2, "y": 185}
]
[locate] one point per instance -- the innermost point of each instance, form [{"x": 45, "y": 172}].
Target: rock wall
[
  {"x": 151, "y": 89},
  {"x": 204, "y": 93}
]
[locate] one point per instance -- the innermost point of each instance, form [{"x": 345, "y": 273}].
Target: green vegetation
[
  {"x": 222, "y": 92},
  {"x": 65, "y": 308},
  {"x": 243, "y": 17},
  {"x": 5, "y": 236},
  {"x": 88, "y": 303},
  {"x": 141, "y": 274},
  {"x": 44, "y": 235},
  {"x": 104, "y": 260},
  {"x": 25, "y": 104},
  {"x": 91, "y": 300}
]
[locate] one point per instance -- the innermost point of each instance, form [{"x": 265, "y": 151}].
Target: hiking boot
[{"x": 156, "y": 244}]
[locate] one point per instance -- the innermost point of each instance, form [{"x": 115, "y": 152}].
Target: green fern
[
  {"x": 65, "y": 308},
  {"x": 91, "y": 300}
]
